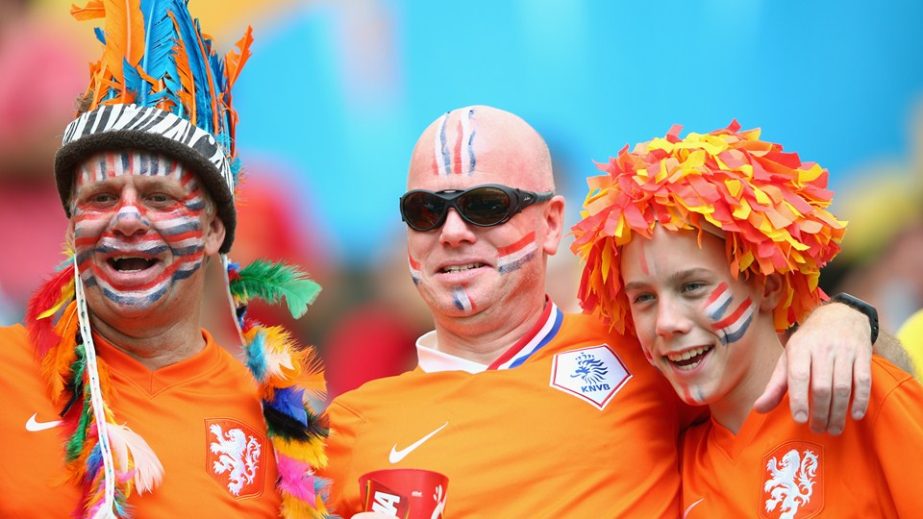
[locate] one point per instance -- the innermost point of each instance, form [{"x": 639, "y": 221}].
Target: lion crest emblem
[
  {"x": 590, "y": 369},
  {"x": 235, "y": 454},
  {"x": 791, "y": 482}
]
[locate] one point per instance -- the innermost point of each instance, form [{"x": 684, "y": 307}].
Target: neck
[
  {"x": 732, "y": 410},
  {"x": 484, "y": 337},
  {"x": 155, "y": 346}
]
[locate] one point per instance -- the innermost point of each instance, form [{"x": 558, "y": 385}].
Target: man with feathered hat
[{"x": 119, "y": 403}]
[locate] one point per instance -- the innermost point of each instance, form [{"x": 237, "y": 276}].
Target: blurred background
[{"x": 337, "y": 92}]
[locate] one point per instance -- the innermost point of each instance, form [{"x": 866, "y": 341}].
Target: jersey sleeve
[
  {"x": 898, "y": 441},
  {"x": 341, "y": 445}
]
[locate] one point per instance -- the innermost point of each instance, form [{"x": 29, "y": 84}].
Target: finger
[
  {"x": 862, "y": 386},
  {"x": 799, "y": 376},
  {"x": 775, "y": 389},
  {"x": 842, "y": 388},
  {"x": 821, "y": 391}
]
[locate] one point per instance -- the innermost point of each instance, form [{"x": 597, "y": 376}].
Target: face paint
[
  {"x": 415, "y": 272},
  {"x": 718, "y": 301},
  {"x": 117, "y": 242},
  {"x": 733, "y": 327},
  {"x": 513, "y": 257},
  {"x": 644, "y": 268},
  {"x": 461, "y": 300},
  {"x": 458, "y": 158}
]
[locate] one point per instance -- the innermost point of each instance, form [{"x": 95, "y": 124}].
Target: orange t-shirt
[
  {"x": 574, "y": 424},
  {"x": 777, "y": 468},
  {"x": 201, "y": 416}
]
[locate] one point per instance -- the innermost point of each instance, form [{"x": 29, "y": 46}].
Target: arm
[
  {"x": 896, "y": 434},
  {"x": 891, "y": 348},
  {"x": 828, "y": 358}
]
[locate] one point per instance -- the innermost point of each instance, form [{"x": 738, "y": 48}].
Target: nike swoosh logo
[
  {"x": 690, "y": 507},
  {"x": 34, "y": 425},
  {"x": 397, "y": 455}
]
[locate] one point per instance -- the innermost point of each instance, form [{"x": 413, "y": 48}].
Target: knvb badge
[
  {"x": 234, "y": 456},
  {"x": 793, "y": 486},
  {"x": 594, "y": 374}
]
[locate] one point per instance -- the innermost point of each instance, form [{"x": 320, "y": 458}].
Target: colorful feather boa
[{"x": 289, "y": 377}]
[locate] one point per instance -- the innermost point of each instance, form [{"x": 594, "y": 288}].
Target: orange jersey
[
  {"x": 777, "y": 468},
  {"x": 201, "y": 416},
  {"x": 571, "y": 422}
]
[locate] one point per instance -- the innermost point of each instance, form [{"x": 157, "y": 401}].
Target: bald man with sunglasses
[{"x": 528, "y": 411}]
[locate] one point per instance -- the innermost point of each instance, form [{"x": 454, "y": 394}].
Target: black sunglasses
[{"x": 484, "y": 206}]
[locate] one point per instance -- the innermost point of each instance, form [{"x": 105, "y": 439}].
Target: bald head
[{"x": 480, "y": 145}]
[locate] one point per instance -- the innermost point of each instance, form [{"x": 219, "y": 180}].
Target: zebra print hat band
[{"x": 132, "y": 127}]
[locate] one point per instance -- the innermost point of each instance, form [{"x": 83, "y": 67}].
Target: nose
[
  {"x": 671, "y": 319},
  {"x": 455, "y": 230},
  {"x": 129, "y": 221}
]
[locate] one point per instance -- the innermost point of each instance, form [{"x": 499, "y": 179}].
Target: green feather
[
  {"x": 76, "y": 442},
  {"x": 273, "y": 281}
]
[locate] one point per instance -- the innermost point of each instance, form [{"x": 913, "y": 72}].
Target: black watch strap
[{"x": 862, "y": 306}]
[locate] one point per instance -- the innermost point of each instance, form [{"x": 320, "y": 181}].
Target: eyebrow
[{"x": 681, "y": 275}]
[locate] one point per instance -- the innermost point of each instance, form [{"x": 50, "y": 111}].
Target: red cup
[{"x": 404, "y": 493}]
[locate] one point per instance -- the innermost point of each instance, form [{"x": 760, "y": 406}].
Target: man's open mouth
[{"x": 131, "y": 264}]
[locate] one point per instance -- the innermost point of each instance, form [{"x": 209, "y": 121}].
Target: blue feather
[
  {"x": 235, "y": 169},
  {"x": 94, "y": 462},
  {"x": 100, "y": 35},
  {"x": 159, "y": 36},
  {"x": 133, "y": 80},
  {"x": 189, "y": 33},
  {"x": 256, "y": 357},
  {"x": 290, "y": 401}
]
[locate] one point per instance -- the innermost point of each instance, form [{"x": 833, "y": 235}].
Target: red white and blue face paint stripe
[
  {"x": 547, "y": 328},
  {"x": 168, "y": 233},
  {"x": 415, "y": 272},
  {"x": 513, "y": 257},
  {"x": 730, "y": 327},
  {"x": 717, "y": 303},
  {"x": 455, "y": 157},
  {"x": 461, "y": 300}
]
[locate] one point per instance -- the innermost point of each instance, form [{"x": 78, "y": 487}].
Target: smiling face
[
  {"x": 141, "y": 227},
  {"x": 701, "y": 327},
  {"x": 461, "y": 269}
]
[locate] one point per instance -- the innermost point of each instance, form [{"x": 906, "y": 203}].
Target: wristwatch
[{"x": 860, "y": 305}]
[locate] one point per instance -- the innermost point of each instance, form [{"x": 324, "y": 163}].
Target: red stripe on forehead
[
  {"x": 110, "y": 165},
  {"x": 456, "y": 161},
  {"x": 525, "y": 240}
]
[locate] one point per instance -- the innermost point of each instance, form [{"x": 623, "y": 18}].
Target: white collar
[{"x": 432, "y": 360}]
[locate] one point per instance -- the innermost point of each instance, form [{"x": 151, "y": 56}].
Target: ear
[
  {"x": 214, "y": 235},
  {"x": 554, "y": 224},
  {"x": 771, "y": 292}
]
